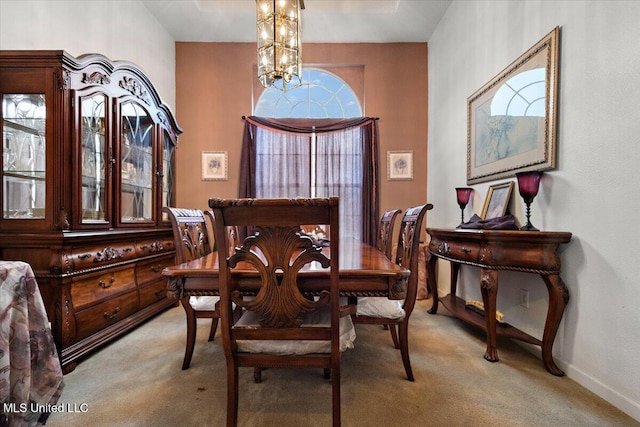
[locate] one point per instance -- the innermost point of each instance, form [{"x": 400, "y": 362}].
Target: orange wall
[{"x": 214, "y": 89}]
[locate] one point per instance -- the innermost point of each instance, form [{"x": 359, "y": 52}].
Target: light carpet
[{"x": 137, "y": 381}]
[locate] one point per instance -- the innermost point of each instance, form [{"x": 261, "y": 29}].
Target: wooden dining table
[{"x": 364, "y": 271}]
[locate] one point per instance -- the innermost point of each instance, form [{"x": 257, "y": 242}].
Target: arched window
[{"x": 321, "y": 95}]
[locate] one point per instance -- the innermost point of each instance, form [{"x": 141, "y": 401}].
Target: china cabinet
[{"x": 88, "y": 151}]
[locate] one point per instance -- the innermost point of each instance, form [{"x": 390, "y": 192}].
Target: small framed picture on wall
[
  {"x": 214, "y": 165},
  {"x": 399, "y": 165}
]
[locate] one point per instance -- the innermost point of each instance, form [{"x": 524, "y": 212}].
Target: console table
[{"x": 494, "y": 250}]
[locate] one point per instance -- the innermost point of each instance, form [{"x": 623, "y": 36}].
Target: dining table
[{"x": 364, "y": 271}]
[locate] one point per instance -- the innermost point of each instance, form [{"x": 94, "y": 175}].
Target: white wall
[
  {"x": 593, "y": 192},
  {"x": 120, "y": 30}
]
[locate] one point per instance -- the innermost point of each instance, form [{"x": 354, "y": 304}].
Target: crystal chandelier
[{"x": 279, "y": 48}]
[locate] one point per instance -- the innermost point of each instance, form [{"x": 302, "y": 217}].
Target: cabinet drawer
[
  {"x": 97, "y": 256},
  {"x": 153, "y": 292},
  {"x": 98, "y": 317},
  {"x": 93, "y": 289},
  {"x": 463, "y": 251},
  {"x": 150, "y": 271},
  {"x": 154, "y": 247}
]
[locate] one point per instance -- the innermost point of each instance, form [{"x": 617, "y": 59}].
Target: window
[
  {"x": 321, "y": 95},
  {"x": 315, "y": 164}
]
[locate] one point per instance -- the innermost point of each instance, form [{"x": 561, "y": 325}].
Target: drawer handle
[
  {"x": 83, "y": 256},
  {"x": 156, "y": 247},
  {"x": 465, "y": 250},
  {"x": 443, "y": 248},
  {"x": 160, "y": 292},
  {"x": 112, "y": 315},
  {"x": 107, "y": 285},
  {"x": 156, "y": 268}
]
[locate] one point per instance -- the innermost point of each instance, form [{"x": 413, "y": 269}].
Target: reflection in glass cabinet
[
  {"x": 93, "y": 158},
  {"x": 23, "y": 156},
  {"x": 136, "y": 164},
  {"x": 168, "y": 160}
]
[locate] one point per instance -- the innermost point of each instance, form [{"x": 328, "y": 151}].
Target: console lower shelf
[{"x": 458, "y": 309}]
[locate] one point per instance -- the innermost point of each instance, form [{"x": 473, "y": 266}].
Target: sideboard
[{"x": 494, "y": 250}]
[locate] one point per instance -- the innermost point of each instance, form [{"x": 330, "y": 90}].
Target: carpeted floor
[{"x": 137, "y": 381}]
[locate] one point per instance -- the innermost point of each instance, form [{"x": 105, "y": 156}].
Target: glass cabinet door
[
  {"x": 136, "y": 164},
  {"x": 93, "y": 155},
  {"x": 23, "y": 156},
  {"x": 168, "y": 162}
]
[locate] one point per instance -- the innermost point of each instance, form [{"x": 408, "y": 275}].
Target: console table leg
[
  {"x": 558, "y": 299},
  {"x": 455, "y": 269},
  {"x": 489, "y": 289},
  {"x": 433, "y": 285}
]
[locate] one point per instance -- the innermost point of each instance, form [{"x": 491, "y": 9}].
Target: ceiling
[{"x": 323, "y": 21}]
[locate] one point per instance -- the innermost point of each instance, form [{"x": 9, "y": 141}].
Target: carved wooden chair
[
  {"x": 395, "y": 314},
  {"x": 281, "y": 326},
  {"x": 193, "y": 240},
  {"x": 371, "y": 306}
]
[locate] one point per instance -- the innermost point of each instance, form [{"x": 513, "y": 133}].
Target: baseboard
[
  {"x": 587, "y": 381},
  {"x": 618, "y": 400}
]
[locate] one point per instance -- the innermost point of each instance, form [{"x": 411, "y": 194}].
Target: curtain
[
  {"x": 285, "y": 170},
  {"x": 340, "y": 173},
  {"x": 336, "y": 151}
]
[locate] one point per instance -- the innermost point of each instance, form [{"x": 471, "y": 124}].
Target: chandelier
[{"x": 279, "y": 48}]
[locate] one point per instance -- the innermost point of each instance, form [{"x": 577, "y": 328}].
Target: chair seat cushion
[
  {"x": 320, "y": 317},
  {"x": 205, "y": 303},
  {"x": 380, "y": 307}
]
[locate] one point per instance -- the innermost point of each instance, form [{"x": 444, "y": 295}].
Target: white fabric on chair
[
  {"x": 205, "y": 303},
  {"x": 319, "y": 317},
  {"x": 380, "y": 307}
]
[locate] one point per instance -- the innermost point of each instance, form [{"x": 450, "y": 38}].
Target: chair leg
[
  {"x": 232, "y": 394},
  {"x": 257, "y": 375},
  {"x": 335, "y": 395},
  {"x": 404, "y": 348},
  {"x": 191, "y": 332},
  {"x": 394, "y": 335},
  {"x": 214, "y": 326}
]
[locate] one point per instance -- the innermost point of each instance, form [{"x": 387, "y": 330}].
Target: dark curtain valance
[
  {"x": 370, "y": 198},
  {"x": 308, "y": 125}
]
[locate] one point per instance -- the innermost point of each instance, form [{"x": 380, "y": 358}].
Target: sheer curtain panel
[{"x": 317, "y": 158}]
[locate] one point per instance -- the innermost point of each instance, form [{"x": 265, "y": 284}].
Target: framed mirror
[{"x": 511, "y": 120}]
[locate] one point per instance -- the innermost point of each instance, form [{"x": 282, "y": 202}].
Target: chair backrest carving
[
  {"x": 279, "y": 302},
  {"x": 385, "y": 231},
  {"x": 277, "y": 250},
  {"x": 232, "y": 232},
  {"x": 408, "y": 246},
  {"x": 190, "y": 233}
]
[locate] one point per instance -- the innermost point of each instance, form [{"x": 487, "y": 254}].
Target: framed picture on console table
[
  {"x": 497, "y": 200},
  {"x": 511, "y": 120}
]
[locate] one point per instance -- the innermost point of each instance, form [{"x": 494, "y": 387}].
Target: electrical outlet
[{"x": 524, "y": 298}]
